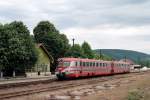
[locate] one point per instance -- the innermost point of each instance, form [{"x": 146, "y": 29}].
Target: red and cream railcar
[
  {"x": 120, "y": 67},
  {"x": 77, "y": 67}
]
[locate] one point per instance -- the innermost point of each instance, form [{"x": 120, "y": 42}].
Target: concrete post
[
  {"x": 1, "y": 74},
  {"x": 14, "y": 73}
]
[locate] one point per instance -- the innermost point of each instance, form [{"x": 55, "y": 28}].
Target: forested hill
[{"x": 120, "y": 54}]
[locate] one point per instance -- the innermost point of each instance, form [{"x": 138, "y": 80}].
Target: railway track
[{"x": 63, "y": 85}]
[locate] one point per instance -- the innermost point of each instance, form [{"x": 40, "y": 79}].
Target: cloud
[
  {"x": 113, "y": 37},
  {"x": 66, "y": 13},
  {"x": 104, "y": 23}
]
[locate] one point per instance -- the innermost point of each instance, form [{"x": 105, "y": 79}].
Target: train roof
[
  {"x": 81, "y": 59},
  {"x": 88, "y": 60}
]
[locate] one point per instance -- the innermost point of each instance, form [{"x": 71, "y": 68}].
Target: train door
[
  {"x": 112, "y": 68},
  {"x": 80, "y": 67}
]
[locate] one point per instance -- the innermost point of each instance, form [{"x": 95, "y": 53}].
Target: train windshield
[{"x": 66, "y": 64}]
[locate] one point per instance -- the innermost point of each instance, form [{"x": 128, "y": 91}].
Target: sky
[{"x": 104, "y": 24}]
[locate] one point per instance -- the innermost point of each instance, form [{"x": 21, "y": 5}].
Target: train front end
[{"x": 65, "y": 68}]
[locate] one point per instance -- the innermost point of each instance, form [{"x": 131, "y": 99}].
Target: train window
[
  {"x": 87, "y": 63},
  {"x": 103, "y": 65},
  {"x": 119, "y": 65},
  {"x": 83, "y": 63},
  {"x": 80, "y": 63},
  {"x": 76, "y": 63},
  {"x": 66, "y": 64},
  {"x": 106, "y": 64},
  {"x": 97, "y": 64},
  {"x": 93, "y": 63},
  {"x": 100, "y": 64},
  {"x": 72, "y": 63},
  {"x": 90, "y": 63},
  {"x": 123, "y": 65}
]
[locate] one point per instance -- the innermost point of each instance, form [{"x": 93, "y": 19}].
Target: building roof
[{"x": 45, "y": 50}]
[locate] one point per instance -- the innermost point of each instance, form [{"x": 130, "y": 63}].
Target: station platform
[{"x": 11, "y": 81}]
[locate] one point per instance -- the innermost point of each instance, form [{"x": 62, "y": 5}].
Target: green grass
[{"x": 135, "y": 95}]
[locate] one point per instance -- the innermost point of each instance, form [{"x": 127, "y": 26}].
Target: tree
[
  {"x": 75, "y": 51},
  {"x": 57, "y": 44},
  {"x": 17, "y": 50},
  {"x": 1, "y": 47},
  {"x": 65, "y": 45},
  {"x": 87, "y": 50},
  {"x": 44, "y": 28}
]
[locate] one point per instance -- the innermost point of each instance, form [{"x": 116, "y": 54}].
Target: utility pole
[
  {"x": 73, "y": 41},
  {"x": 72, "y": 47}
]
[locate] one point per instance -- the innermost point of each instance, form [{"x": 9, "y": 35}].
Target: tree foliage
[
  {"x": 44, "y": 28},
  {"x": 57, "y": 44},
  {"x": 88, "y": 53},
  {"x": 75, "y": 51},
  {"x": 17, "y": 50}
]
